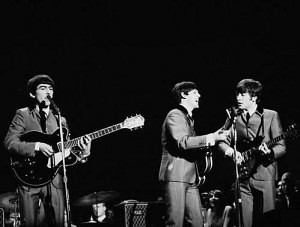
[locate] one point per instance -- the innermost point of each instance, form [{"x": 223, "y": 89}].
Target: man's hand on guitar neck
[
  {"x": 85, "y": 145},
  {"x": 230, "y": 152},
  {"x": 268, "y": 155},
  {"x": 46, "y": 149},
  {"x": 264, "y": 148}
]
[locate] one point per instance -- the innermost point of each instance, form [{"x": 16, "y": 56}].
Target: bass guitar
[
  {"x": 39, "y": 170},
  {"x": 250, "y": 157},
  {"x": 204, "y": 163}
]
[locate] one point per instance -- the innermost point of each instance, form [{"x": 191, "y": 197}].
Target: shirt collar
[
  {"x": 184, "y": 110},
  {"x": 45, "y": 110},
  {"x": 259, "y": 111}
]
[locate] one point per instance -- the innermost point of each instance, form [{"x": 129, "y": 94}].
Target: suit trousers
[
  {"x": 183, "y": 205},
  {"x": 34, "y": 207},
  {"x": 258, "y": 202}
]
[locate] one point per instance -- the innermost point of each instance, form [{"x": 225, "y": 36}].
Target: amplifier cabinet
[{"x": 139, "y": 214}]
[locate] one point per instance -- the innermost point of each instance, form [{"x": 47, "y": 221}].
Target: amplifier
[
  {"x": 2, "y": 217},
  {"x": 139, "y": 214}
]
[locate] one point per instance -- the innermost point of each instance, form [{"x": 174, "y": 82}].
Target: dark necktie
[
  {"x": 43, "y": 121},
  {"x": 247, "y": 117},
  {"x": 191, "y": 120}
]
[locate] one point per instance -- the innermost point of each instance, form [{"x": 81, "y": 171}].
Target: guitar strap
[{"x": 261, "y": 126}]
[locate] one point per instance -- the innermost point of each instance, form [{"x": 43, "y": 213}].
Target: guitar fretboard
[
  {"x": 275, "y": 140},
  {"x": 93, "y": 135},
  {"x": 249, "y": 153}
]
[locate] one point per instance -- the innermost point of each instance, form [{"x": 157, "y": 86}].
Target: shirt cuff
[
  {"x": 37, "y": 146},
  {"x": 229, "y": 152},
  {"x": 210, "y": 140}
]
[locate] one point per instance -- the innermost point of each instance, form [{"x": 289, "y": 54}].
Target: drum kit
[
  {"x": 96, "y": 197},
  {"x": 85, "y": 203},
  {"x": 10, "y": 204}
]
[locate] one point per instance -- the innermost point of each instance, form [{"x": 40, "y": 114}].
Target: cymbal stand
[
  {"x": 237, "y": 192},
  {"x": 17, "y": 218}
]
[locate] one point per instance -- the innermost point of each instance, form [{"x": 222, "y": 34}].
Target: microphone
[
  {"x": 233, "y": 112},
  {"x": 53, "y": 104}
]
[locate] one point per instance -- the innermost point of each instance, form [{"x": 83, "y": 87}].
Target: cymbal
[
  {"x": 8, "y": 200},
  {"x": 96, "y": 197},
  {"x": 88, "y": 222}
]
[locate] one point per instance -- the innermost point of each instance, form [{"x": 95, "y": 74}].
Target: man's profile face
[
  {"x": 245, "y": 101},
  {"x": 192, "y": 99}
]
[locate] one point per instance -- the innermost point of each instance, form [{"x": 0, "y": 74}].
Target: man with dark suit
[
  {"x": 178, "y": 170},
  {"x": 40, "y": 205},
  {"x": 255, "y": 123}
]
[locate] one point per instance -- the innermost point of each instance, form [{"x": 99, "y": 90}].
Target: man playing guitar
[
  {"x": 258, "y": 190},
  {"x": 42, "y": 205}
]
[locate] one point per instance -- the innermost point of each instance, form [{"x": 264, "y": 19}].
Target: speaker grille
[{"x": 139, "y": 214}]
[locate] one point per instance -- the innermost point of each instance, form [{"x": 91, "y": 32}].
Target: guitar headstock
[
  {"x": 292, "y": 131},
  {"x": 134, "y": 122}
]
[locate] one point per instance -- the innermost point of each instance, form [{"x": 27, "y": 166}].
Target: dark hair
[
  {"x": 218, "y": 194},
  {"x": 289, "y": 179},
  {"x": 185, "y": 87},
  {"x": 253, "y": 87},
  {"x": 38, "y": 79}
]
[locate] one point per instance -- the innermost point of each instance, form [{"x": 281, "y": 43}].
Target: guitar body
[
  {"x": 252, "y": 157},
  {"x": 39, "y": 170},
  {"x": 247, "y": 168},
  {"x": 204, "y": 164},
  {"x": 205, "y": 161},
  {"x": 250, "y": 153},
  {"x": 33, "y": 170}
]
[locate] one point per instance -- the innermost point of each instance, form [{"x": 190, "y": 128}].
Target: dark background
[{"x": 114, "y": 59}]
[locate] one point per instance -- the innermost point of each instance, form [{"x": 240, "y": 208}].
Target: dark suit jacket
[
  {"x": 179, "y": 141},
  {"x": 263, "y": 174},
  {"x": 272, "y": 128},
  {"x": 25, "y": 120}
]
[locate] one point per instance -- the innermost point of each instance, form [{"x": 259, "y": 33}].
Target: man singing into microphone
[
  {"x": 40, "y": 205},
  {"x": 258, "y": 174}
]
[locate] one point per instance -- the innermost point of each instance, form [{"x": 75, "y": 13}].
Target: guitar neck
[
  {"x": 94, "y": 135},
  {"x": 275, "y": 140},
  {"x": 249, "y": 153}
]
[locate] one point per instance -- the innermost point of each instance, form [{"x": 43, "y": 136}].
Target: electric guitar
[
  {"x": 204, "y": 163},
  {"x": 251, "y": 156},
  {"x": 39, "y": 170}
]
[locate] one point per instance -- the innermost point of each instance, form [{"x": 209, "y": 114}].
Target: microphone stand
[
  {"x": 237, "y": 192},
  {"x": 65, "y": 180}
]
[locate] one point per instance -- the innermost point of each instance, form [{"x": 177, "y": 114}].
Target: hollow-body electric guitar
[
  {"x": 38, "y": 170},
  {"x": 204, "y": 163}
]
